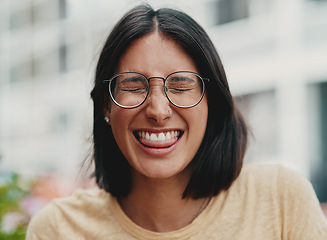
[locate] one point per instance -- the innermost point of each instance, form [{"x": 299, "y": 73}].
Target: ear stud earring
[{"x": 107, "y": 119}]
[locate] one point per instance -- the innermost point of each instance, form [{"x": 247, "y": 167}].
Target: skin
[{"x": 160, "y": 170}]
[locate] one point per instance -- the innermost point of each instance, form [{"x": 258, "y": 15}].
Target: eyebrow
[
  {"x": 132, "y": 79},
  {"x": 179, "y": 78}
]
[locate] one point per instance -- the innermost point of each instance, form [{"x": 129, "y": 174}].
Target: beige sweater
[{"x": 265, "y": 202}]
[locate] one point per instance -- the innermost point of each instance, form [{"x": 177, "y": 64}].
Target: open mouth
[{"x": 159, "y": 139}]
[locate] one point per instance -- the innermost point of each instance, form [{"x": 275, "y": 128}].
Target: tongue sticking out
[{"x": 158, "y": 140}]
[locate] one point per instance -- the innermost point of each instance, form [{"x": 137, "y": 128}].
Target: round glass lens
[
  {"x": 184, "y": 89},
  {"x": 128, "y": 89}
]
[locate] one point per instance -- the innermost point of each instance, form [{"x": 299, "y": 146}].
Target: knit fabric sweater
[{"x": 264, "y": 202}]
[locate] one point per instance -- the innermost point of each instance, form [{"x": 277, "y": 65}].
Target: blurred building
[{"x": 274, "y": 53}]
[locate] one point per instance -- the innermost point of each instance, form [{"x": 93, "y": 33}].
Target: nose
[{"x": 157, "y": 105}]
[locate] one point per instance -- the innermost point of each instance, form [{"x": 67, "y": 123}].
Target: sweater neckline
[{"x": 198, "y": 224}]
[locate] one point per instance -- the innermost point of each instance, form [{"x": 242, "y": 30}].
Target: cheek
[
  {"x": 120, "y": 120},
  {"x": 202, "y": 115},
  {"x": 198, "y": 119},
  {"x": 119, "y": 123},
  {"x": 203, "y": 123},
  {"x": 119, "y": 117},
  {"x": 120, "y": 132}
]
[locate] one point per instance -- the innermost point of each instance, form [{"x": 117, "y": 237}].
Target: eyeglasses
[{"x": 184, "y": 89}]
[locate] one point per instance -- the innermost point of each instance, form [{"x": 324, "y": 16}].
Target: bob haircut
[{"x": 219, "y": 158}]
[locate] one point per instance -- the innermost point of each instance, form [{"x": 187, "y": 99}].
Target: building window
[
  {"x": 229, "y": 10},
  {"x": 323, "y": 119},
  {"x": 259, "y": 110},
  {"x": 318, "y": 151},
  {"x": 62, "y": 6},
  {"x": 23, "y": 71},
  {"x": 45, "y": 12},
  {"x": 21, "y": 17},
  {"x": 61, "y": 121},
  {"x": 258, "y": 7},
  {"x": 63, "y": 58}
]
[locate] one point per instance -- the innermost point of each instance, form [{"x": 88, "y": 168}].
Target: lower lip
[{"x": 156, "y": 152}]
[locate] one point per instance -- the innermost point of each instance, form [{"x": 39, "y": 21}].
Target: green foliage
[{"x": 13, "y": 220}]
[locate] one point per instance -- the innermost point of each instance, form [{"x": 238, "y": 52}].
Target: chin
[{"x": 164, "y": 170}]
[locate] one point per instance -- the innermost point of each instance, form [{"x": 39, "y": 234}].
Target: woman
[{"x": 168, "y": 149}]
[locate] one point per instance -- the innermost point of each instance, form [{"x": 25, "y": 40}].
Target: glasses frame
[{"x": 148, "y": 88}]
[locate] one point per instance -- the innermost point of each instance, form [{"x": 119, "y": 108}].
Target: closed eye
[
  {"x": 134, "y": 90},
  {"x": 133, "y": 85},
  {"x": 178, "y": 89}
]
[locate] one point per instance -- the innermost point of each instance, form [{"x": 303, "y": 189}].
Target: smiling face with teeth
[
  {"x": 158, "y": 139},
  {"x": 154, "y": 139}
]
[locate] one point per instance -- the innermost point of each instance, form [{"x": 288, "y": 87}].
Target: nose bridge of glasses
[
  {"x": 155, "y": 81},
  {"x": 156, "y": 78},
  {"x": 157, "y": 102},
  {"x": 156, "y": 96},
  {"x": 156, "y": 84}
]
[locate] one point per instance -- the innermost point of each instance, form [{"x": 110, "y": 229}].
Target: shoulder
[
  {"x": 82, "y": 197},
  {"x": 91, "y": 200},
  {"x": 277, "y": 175},
  {"x": 278, "y": 180},
  {"x": 273, "y": 185},
  {"x": 59, "y": 214},
  {"x": 283, "y": 178},
  {"x": 261, "y": 170},
  {"x": 289, "y": 194}
]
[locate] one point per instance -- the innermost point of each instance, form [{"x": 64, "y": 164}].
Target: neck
[{"x": 157, "y": 204}]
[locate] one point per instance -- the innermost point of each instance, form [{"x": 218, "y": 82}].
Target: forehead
[{"x": 155, "y": 55}]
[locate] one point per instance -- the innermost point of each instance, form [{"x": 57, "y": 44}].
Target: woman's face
[{"x": 136, "y": 131}]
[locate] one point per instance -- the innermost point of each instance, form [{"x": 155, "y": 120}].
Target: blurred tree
[{"x": 13, "y": 219}]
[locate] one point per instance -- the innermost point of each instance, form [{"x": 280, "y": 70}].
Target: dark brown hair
[{"x": 219, "y": 159}]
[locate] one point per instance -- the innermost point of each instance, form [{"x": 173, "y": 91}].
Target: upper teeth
[{"x": 155, "y": 137}]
